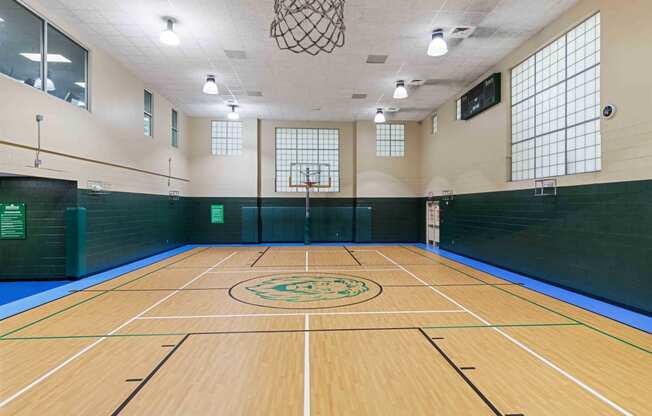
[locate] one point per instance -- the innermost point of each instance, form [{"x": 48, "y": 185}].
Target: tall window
[
  {"x": 320, "y": 147},
  {"x": 149, "y": 118},
  {"x": 556, "y": 107},
  {"x": 175, "y": 128},
  {"x": 390, "y": 140},
  {"x": 226, "y": 138},
  {"x": 23, "y": 49}
]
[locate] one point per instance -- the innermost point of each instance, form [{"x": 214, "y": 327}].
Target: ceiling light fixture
[
  {"x": 2, "y": 20},
  {"x": 380, "y": 116},
  {"x": 210, "y": 87},
  {"x": 49, "y": 84},
  {"x": 169, "y": 36},
  {"x": 400, "y": 92},
  {"x": 52, "y": 57},
  {"x": 438, "y": 45},
  {"x": 234, "y": 115},
  {"x": 81, "y": 84}
]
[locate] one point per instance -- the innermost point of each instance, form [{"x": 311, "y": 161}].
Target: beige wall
[
  {"x": 234, "y": 176},
  {"x": 471, "y": 156},
  {"x": 268, "y": 156},
  {"x": 388, "y": 176},
  {"x": 111, "y": 132}
]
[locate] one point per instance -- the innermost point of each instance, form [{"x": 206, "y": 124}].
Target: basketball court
[
  {"x": 321, "y": 330},
  {"x": 325, "y": 207}
]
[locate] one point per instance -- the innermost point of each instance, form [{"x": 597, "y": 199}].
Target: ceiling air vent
[
  {"x": 416, "y": 83},
  {"x": 234, "y": 54},
  {"x": 254, "y": 93},
  {"x": 392, "y": 109},
  {"x": 359, "y": 96},
  {"x": 376, "y": 59},
  {"x": 461, "y": 32}
]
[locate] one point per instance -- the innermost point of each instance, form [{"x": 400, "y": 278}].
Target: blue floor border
[
  {"x": 33, "y": 301},
  {"x": 622, "y": 315},
  {"x": 625, "y": 316}
]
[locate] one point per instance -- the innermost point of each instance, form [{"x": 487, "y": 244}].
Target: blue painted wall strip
[
  {"x": 605, "y": 309},
  {"x": 38, "y": 299}
]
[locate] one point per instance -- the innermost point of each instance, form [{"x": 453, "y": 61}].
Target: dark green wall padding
[
  {"x": 42, "y": 253},
  {"x": 594, "y": 239},
  {"x": 76, "y": 221}
]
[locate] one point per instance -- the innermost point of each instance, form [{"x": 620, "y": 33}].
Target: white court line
[
  {"x": 519, "y": 344},
  {"x": 306, "y": 366},
  {"x": 298, "y": 269},
  {"x": 306, "y": 260},
  {"x": 267, "y": 315},
  {"x": 86, "y": 349}
]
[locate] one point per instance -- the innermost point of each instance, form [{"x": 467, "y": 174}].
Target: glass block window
[
  {"x": 318, "y": 146},
  {"x": 390, "y": 140},
  {"x": 148, "y": 115},
  {"x": 226, "y": 138},
  {"x": 175, "y": 128},
  {"x": 556, "y": 107}
]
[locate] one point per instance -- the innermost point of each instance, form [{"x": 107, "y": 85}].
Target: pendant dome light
[
  {"x": 438, "y": 45},
  {"x": 169, "y": 36},
  {"x": 210, "y": 87},
  {"x": 380, "y": 116},
  {"x": 234, "y": 115},
  {"x": 400, "y": 92}
]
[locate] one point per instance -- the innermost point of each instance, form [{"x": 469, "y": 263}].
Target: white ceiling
[{"x": 292, "y": 85}]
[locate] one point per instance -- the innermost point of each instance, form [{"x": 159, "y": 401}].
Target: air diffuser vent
[
  {"x": 461, "y": 32},
  {"x": 377, "y": 59},
  {"x": 254, "y": 93},
  {"x": 234, "y": 54},
  {"x": 359, "y": 96}
]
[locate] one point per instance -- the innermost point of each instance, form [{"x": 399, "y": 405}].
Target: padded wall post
[{"x": 75, "y": 242}]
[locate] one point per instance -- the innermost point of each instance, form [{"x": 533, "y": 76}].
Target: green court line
[
  {"x": 93, "y": 297},
  {"x": 600, "y": 331},
  {"x": 155, "y": 334},
  {"x": 503, "y": 326}
]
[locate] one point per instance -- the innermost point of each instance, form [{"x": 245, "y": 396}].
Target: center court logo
[
  {"x": 305, "y": 290},
  {"x": 308, "y": 288}
]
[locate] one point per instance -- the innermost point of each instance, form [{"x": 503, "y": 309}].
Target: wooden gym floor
[{"x": 390, "y": 330}]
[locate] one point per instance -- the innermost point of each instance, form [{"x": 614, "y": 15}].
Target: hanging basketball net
[{"x": 310, "y": 26}]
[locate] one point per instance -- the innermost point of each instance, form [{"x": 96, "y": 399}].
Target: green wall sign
[
  {"x": 12, "y": 221},
  {"x": 217, "y": 214}
]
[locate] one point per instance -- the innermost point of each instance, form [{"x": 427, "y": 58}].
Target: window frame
[
  {"x": 335, "y": 185},
  {"x": 43, "y": 29},
  {"x": 565, "y": 81},
  {"x": 392, "y": 140},
  {"x": 174, "y": 128},
  {"x": 226, "y": 138},
  {"x": 150, "y": 115}
]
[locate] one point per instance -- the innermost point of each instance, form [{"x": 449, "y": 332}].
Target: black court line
[
  {"x": 259, "y": 257},
  {"x": 466, "y": 368},
  {"x": 149, "y": 377},
  {"x": 133, "y": 380},
  {"x": 351, "y": 254},
  {"x": 461, "y": 374}
]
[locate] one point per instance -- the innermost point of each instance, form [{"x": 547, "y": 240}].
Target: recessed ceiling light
[
  {"x": 438, "y": 45},
  {"x": 400, "y": 92},
  {"x": 52, "y": 57},
  {"x": 210, "y": 87},
  {"x": 81, "y": 84},
  {"x": 233, "y": 115},
  {"x": 169, "y": 36},
  {"x": 380, "y": 116}
]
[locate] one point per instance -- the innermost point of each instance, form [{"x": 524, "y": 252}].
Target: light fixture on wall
[
  {"x": 168, "y": 35},
  {"x": 438, "y": 45},
  {"x": 210, "y": 87},
  {"x": 380, "y": 116},
  {"x": 234, "y": 115},
  {"x": 400, "y": 92}
]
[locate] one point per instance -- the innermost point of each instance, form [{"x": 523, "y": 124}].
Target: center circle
[{"x": 300, "y": 290}]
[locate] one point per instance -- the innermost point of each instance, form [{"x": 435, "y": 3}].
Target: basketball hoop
[{"x": 310, "y": 26}]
